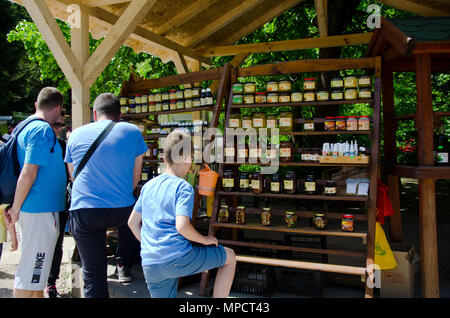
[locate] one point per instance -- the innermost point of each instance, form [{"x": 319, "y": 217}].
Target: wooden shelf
[
  {"x": 144, "y": 115},
  {"x": 313, "y": 133},
  {"x": 297, "y": 196},
  {"x": 300, "y": 104},
  {"x": 420, "y": 172},
  {"x": 301, "y": 164},
  {"x": 298, "y": 230}
]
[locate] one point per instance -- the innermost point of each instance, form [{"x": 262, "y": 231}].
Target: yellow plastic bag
[
  {"x": 384, "y": 257},
  {"x": 2, "y": 224}
]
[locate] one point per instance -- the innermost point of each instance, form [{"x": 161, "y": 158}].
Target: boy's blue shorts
[{"x": 162, "y": 279}]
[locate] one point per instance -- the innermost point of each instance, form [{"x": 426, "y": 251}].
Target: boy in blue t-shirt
[{"x": 161, "y": 222}]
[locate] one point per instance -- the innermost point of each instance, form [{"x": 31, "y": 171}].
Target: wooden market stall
[{"x": 420, "y": 45}]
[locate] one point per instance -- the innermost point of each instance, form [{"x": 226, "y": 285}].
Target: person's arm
[
  {"x": 135, "y": 224},
  {"x": 137, "y": 170},
  {"x": 70, "y": 168},
  {"x": 24, "y": 183},
  {"x": 13, "y": 234},
  {"x": 185, "y": 228}
]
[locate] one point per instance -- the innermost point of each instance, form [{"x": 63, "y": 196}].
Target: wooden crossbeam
[
  {"x": 300, "y": 44},
  {"x": 124, "y": 26},
  {"x": 101, "y": 3},
  {"x": 49, "y": 29},
  {"x": 322, "y": 16},
  {"x": 421, "y": 8},
  {"x": 221, "y": 22}
]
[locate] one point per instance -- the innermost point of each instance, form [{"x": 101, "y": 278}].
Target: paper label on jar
[
  {"x": 254, "y": 153},
  {"x": 330, "y": 190},
  {"x": 243, "y": 153},
  {"x": 363, "y": 125},
  {"x": 337, "y": 96},
  {"x": 350, "y": 82},
  {"x": 138, "y": 109},
  {"x": 255, "y": 184},
  {"x": 229, "y": 152},
  {"x": 258, "y": 122},
  {"x": 244, "y": 183},
  {"x": 364, "y": 81},
  {"x": 442, "y": 157},
  {"x": 350, "y": 94},
  {"x": 249, "y": 89},
  {"x": 347, "y": 226},
  {"x": 228, "y": 183},
  {"x": 285, "y": 122},
  {"x": 308, "y": 126},
  {"x": 337, "y": 83},
  {"x": 310, "y": 186},
  {"x": 289, "y": 184},
  {"x": 306, "y": 156},
  {"x": 309, "y": 97},
  {"x": 234, "y": 123},
  {"x": 272, "y": 87},
  {"x": 148, "y": 153},
  {"x": 296, "y": 97},
  {"x": 144, "y": 176},
  {"x": 365, "y": 94},
  {"x": 272, "y": 99},
  {"x": 284, "y": 99},
  {"x": 309, "y": 85},
  {"x": 145, "y": 109},
  {"x": 285, "y": 152},
  {"x": 285, "y": 86},
  {"x": 246, "y": 123},
  {"x": 275, "y": 186},
  {"x": 352, "y": 125},
  {"x": 271, "y": 123}
]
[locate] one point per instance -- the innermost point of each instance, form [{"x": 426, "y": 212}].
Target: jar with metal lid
[
  {"x": 238, "y": 99},
  {"x": 180, "y": 104},
  {"x": 165, "y": 96},
  {"x": 309, "y": 84},
  {"x": 330, "y": 188},
  {"x": 145, "y": 108},
  {"x": 347, "y": 223},
  {"x": 172, "y": 94},
  {"x": 151, "y": 98},
  {"x": 158, "y": 97},
  {"x": 341, "y": 123},
  {"x": 309, "y": 96},
  {"x": 365, "y": 81},
  {"x": 286, "y": 149},
  {"x": 257, "y": 182},
  {"x": 188, "y": 92},
  {"x": 310, "y": 184},
  {"x": 275, "y": 184},
  {"x": 272, "y": 98},
  {"x": 290, "y": 219},
  {"x": 308, "y": 125},
  {"x": 249, "y": 99},
  {"x": 272, "y": 86},
  {"x": 242, "y": 151},
  {"x": 228, "y": 181},
  {"x": 235, "y": 120},
  {"x": 260, "y": 98},
  {"x": 337, "y": 95},
  {"x": 323, "y": 96},
  {"x": 290, "y": 182},
  {"x": 296, "y": 97},
  {"x": 138, "y": 108},
  {"x": 351, "y": 82},
  {"x": 138, "y": 99},
  {"x": 259, "y": 120},
  {"x": 244, "y": 182},
  {"x": 240, "y": 215},
  {"x": 330, "y": 124},
  {"x": 320, "y": 221},
  {"x": 284, "y": 98},
  {"x": 164, "y": 106},
  {"x": 196, "y": 91},
  {"x": 284, "y": 86},
  {"x": 173, "y": 105},
  {"x": 266, "y": 217},
  {"x": 337, "y": 83},
  {"x": 365, "y": 93},
  {"x": 254, "y": 153},
  {"x": 180, "y": 94},
  {"x": 237, "y": 88},
  {"x": 196, "y": 102},
  {"x": 123, "y": 101},
  {"x": 132, "y": 109},
  {"x": 250, "y": 88},
  {"x": 271, "y": 121},
  {"x": 271, "y": 151},
  {"x": 364, "y": 123},
  {"x": 123, "y": 109},
  {"x": 351, "y": 94},
  {"x": 131, "y": 100},
  {"x": 188, "y": 103},
  {"x": 152, "y": 107},
  {"x": 352, "y": 123},
  {"x": 224, "y": 214},
  {"x": 153, "y": 150},
  {"x": 286, "y": 121},
  {"x": 247, "y": 121}
]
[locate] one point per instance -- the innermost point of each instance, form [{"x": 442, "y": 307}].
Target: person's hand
[
  {"x": 210, "y": 240},
  {"x": 14, "y": 244},
  {"x": 11, "y": 215}
]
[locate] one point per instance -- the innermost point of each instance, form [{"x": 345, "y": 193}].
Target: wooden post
[
  {"x": 81, "y": 113},
  {"x": 390, "y": 155},
  {"x": 427, "y": 200}
]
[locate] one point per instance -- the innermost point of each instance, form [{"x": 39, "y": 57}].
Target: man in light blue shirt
[
  {"x": 102, "y": 193},
  {"x": 39, "y": 196}
]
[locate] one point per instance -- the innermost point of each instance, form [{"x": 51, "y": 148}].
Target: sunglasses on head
[{"x": 59, "y": 125}]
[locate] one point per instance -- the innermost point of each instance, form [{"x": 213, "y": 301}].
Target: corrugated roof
[{"x": 424, "y": 29}]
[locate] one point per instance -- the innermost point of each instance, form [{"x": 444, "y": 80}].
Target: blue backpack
[{"x": 9, "y": 163}]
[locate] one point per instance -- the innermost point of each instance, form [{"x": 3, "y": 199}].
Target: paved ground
[{"x": 335, "y": 286}]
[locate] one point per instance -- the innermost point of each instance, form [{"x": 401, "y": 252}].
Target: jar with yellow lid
[
  {"x": 235, "y": 120},
  {"x": 365, "y": 93},
  {"x": 188, "y": 103},
  {"x": 260, "y": 98},
  {"x": 351, "y": 82},
  {"x": 158, "y": 97},
  {"x": 124, "y": 101},
  {"x": 196, "y": 91},
  {"x": 180, "y": 104},
  {"x": 351, "y": 94},
  {"x": 365, "y": 81},
  {"x": 337, "y": 83},
  {"x": 158, "y": 106},
  {"x": 250, "y": 88},
  {"x": 196, "y": 102},
  {"x": 259, "y": 120},
  {"x": 284, "y": 86},
  {"x": 165, "y": 96},
  {"x": 271, "y": 121},
  {"x": 323, "y": 96},
  {"x": 272, "y": 86},
  {"x": 272, "y": 98},
  {"x": 249, "y": 99},
  {"x": 309, "y": 96},
  {"x": 151, "y": 98},
  {"x": 138, "y": 109},
  {"x": 309, "y": 84},
  {"x": 296, "y": 97},
  {"x": 247, "y": 121},
  {"x": 284, "y": 98},
  {"x": 337, "y": 95},
  {"x": 286, "y": 121},
  {"x": 180, "y": 94}
]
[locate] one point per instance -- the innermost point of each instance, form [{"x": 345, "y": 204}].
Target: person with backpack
[
  {"x": 39, "y": 194},
  {"x": 102, "y": 191}
]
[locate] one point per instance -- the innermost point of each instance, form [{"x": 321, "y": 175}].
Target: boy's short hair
[
  {"x": 107, "y": 104},
  {"x": 178, "y": 145},
  {"x": 49, "y": 98}
]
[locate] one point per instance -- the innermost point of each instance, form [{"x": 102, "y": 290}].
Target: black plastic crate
[
  {"x": 254, "y": 279},
  {"x": 261, "y": 251},
  {"x": 299, "y": 281},
  {"x": 306, "y": 241}
]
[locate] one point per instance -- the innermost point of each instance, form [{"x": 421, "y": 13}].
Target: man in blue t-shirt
[
  {"x": 40, "y": 195},
  {"x": 102, "y": 193}
]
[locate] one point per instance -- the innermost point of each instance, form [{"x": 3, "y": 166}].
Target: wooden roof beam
[
  {"x": 221, "y": 22},
  {"x": 418, "y": 7},
  {"x": 101, "y": 3},
  {"x": 184, "y": 16},
  {"x": 289, "y": 45},
  {"x": 322, "y": 16}
]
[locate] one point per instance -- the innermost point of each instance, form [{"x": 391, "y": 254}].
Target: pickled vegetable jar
[
  {"x": 224, "y": 214},
  {"x": 320, "y": 221},
  {"x": 266, "y": 217},
  {"x": 290, "y": 219},
  {"x": 240, "y": 215}
]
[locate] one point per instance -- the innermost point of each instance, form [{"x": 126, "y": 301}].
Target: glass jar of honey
[
  {"x": 271, "y": 121},
  {"x": 365, "y": 93},
  {"x": 272, "y": 86},
  {"x": 249, "y": 99},
  {"x": 309, "y": 96},
  {"x": 235, "y": 120},
  {"x": 351, "y": 94},
  {"x": 310, "y": 184},
  {"x": 309, "y": 84},
  {"x": 323, "y": 96},
  {"x": 286, "y": 121},
  {"x": 308, "y": 125},
  {"x": 337, "y": 83},
  {"x": 246, "y": 121},
  {"x": 337, "y": 95},
  {"x": 250, "y": 88},
  {"x": 259, "y": 120},
  {"x": 257, "y": 183},
  {"x": 330, "y": 188},
  {"x": 284, "y": 86},
  {"x": 286, "y": 150},
  {"x": 290, "y": 183},
  {"x": 275, "y": 184},
  {"x": 244, "y": 182},
  {"x": 272, "y": 98},
  {"x": 351, "y": 82},
  {"x": 296, "y": 97},
  {"x": 284, "y": 98},
  {"x": 365, "y": 81},
  {"x": 228, "y": 181}
]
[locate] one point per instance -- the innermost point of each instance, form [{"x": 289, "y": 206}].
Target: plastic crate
[
  {"x": 306, "y": 241},
  {"x": 299, "y": 281},
  {"x": 261, "y": 251},
  {"x": 254, "y": 279}
]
